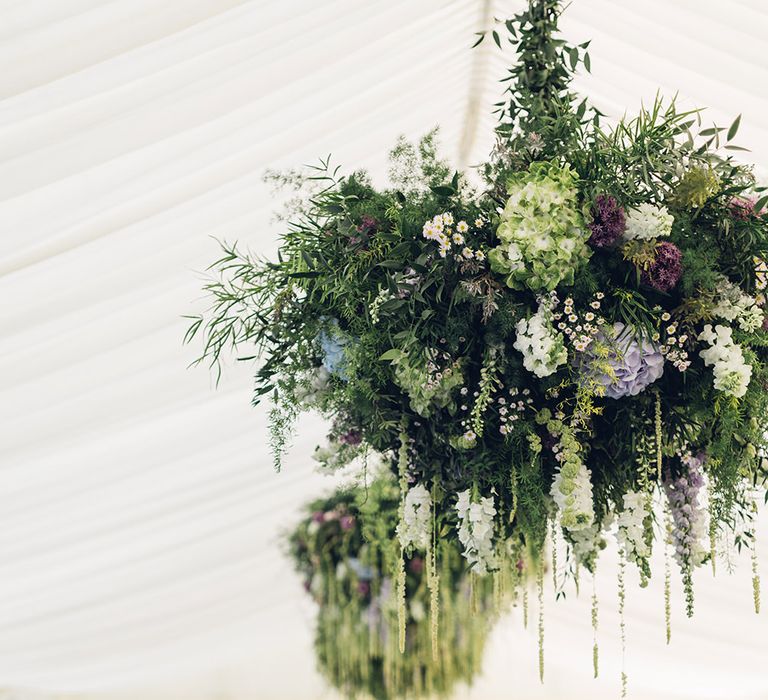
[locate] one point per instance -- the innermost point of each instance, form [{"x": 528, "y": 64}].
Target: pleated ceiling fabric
[{"x": 140, "y": 519}]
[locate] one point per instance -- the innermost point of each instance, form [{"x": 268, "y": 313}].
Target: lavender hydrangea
[
  {"x": 608, "y": 222},
  {"x": 630, "y": 363}
]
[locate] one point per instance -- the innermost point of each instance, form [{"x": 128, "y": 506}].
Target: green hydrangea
[{"x": 542, "y": 231}]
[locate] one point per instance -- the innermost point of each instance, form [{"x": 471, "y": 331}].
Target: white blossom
[
  {"x": 631, "y": 527},
  {"x": 415, "y": 526},
  {"x": 648, "y": 221},
  {"x": 732, "y": 373},
  {"x": 476, "y": 531},
  {"x": 542, "y": 346},
  {"x": 735, "y": 305}
]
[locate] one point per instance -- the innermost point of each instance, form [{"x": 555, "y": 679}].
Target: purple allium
[
  {"x": 318, "y": 516},
  {"x": 608, "y": 222},
  {"x": 664, "y": 272},
  {"x": 635, "y": 363},
  {"x": 363, "y": 588},
  {"x": 351, "y": 437},
  {"x": 347, "y": 522}
]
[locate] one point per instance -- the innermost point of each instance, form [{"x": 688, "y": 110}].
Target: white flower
[
  {"x": 458, "y": 239},
  {"x": 476, "y": 531},
  {"x": 631, "y": 527},
  {"x": 542, "y": 347},
  {"x": 447, "y": 218},
  {"x": 462, "y": 227},
  {"x": 648, "y": 221},
  {"x": 735, "y": 305},
  {"x": 415, "y": 526},
  {"x": 479, "y": 255},
  {"x": 732, "y": 373}
]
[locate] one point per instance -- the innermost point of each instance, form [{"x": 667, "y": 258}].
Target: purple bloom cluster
[
  {"x": 608, "y": 222},
  {"x": 687, "y": 516},
  {"x": 665, "y": 271},
  {"x": 636, "y": 363}
]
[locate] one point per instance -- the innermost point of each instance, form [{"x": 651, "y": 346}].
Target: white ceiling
[{"x": 139, "y": 515}]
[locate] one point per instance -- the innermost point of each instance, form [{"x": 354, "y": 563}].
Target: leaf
[
  {"x": 573, "y": 57},
  {"x": 390, "y": 355},
  {"x": 400, "y": 197},
  {"x": 480, "y": 37},
  {"x": 711, "y": 131},
  {"x": 587, "y": 63},
  {"x": 443, "y": 190},
  {"x": 733, "y": 128},
  {"x": 731, "y": 147},
  {"x": 759, "y": 204},
  {"x": 391, "y": 264},
  {"x": 496, "y": 38}
]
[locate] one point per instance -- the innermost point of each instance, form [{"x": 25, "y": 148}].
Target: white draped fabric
[{"x": 140, "y": 518}]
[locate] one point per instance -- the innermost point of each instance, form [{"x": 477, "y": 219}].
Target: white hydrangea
[
  {"x": 542, "y": 347},
  {"x": 735, "y": 305},
  {"x": 415, "y": 526},
  {"x": 648, "y": 221},
  {"x": 476, "y": 531},
  {"x": 631, "y": 527},
  {"x": 732, "y": 373}
]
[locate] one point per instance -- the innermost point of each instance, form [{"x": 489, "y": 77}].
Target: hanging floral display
[
  {"x": 576, "y": 341},
  {"x": 344, "y": 550}
]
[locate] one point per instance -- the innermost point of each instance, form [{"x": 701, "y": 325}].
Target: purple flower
[
  {"x": 664, "y": 272},
  {"x": 635, "y": 363},
  {"x": 608, "y": 222},
  {"x": 347, "y": 522},
  {"x": 368, "y": 225},
  {"x": 318, "y": 516},
  {"x": 351, "y": 437},
  {"x": 363, "y": 588},
  {"x": 742, "y": 208}
]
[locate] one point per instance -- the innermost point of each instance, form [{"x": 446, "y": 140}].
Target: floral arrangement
[
  {"x": 344, "y": 549},
  {"x": 573, "y": 349}
]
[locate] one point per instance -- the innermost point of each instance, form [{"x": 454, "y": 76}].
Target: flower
[
  {"x": 476, "y": 531},
  {"x": 414, "y": 528},
  {"x": 608, "y": 222},
  {"x": 632, "y": 534},
  {"x": 742, "y": 208},
  {"x": 665, "y": 271},
  {"x": 572, "y": 487},
  {"x": 648, "y": 221},
  {"x": 696, "y": 187},
  {"x": 542, "y": 233},
  {"x": 462, "y": 227},
  {"x": 333, "y": 345},
  {"x": 732, "y": 373},
  {"x": 630, "y": 364},
  {"x": 735, "y": 305},
  {"x": 689, "y": 517},
  {"x": 542, "y": 347}
]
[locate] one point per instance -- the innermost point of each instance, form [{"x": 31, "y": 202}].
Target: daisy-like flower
[
  {"x": 447, "y": 218},
  {"x": 468, "y": 253},
  {"x": 458, "y": 239},
  {"x": 479, "y": 223},
  {"x": 479, "y": 255},
  {"x": 462, "y": 227}
]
